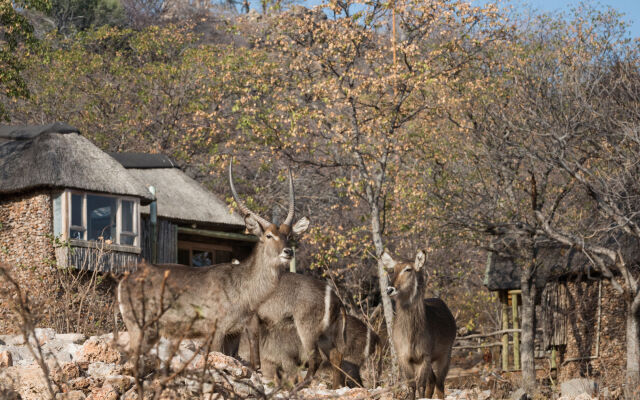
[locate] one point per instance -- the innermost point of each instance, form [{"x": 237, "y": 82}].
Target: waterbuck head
[
  {"x": 273, "y": 248},
  {"x": 407, "y": 278}
]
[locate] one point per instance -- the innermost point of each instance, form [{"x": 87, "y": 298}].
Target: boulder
[
  {"x": 575, "y": 387},
  {"x": 6, "y": 359},
  {"x": 102, "y": 370},
  {"x": 106, "y": 392},
  {"x": 99, "y": 349},
  {"x": 75, "y": 338},
  {"x": 43, "y": 335},
  {"x": 72, "y": 395}
]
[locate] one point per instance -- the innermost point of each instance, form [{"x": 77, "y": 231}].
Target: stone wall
[
  {"x": 26, "y": 248},
  {"x": 582, "y": 337}
]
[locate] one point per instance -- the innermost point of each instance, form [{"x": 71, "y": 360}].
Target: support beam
[
  {"x": 516, "y": 334},
  {"x": 218, "y": 234},
  {"x": 505, "y": 326}
]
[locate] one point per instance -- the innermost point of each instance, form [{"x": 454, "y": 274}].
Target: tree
[
  {"x": 15, "y": 32},
  {"x": 334, "y": 99}
]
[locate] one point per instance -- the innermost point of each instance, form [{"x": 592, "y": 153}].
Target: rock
[
  {"x": 43, "y": 335},
  {"x": 20, "y": 355},
  {"x": 11, "y": 340},
  {"x": 102, "y": 370},
  {"x": 224, "y": 363},
  {"x": 106, "y": 392},
  {"x": 28, "y": 381},
  {"x": 6, "y": 359},
  {"x": 121, "y": 383},
  {"x": 72, "y": 395},
  {"x": 519, "y": 394},
  {"x": 66, "y": 372},
  {"x": 575, "y": 387},
  {"x": 75, "y": 338},
  {"x": 99, "y": 349}
]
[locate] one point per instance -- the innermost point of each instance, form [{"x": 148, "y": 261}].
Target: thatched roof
[
  {"x": 179, "y": 197},
  {"x": 554, "y": 262},
  {"x": 57, "y": 156}
]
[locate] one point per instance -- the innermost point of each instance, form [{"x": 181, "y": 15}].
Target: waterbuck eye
[
  {"x": 406, "y": 269},
  {"x": 269, "y": 236}
]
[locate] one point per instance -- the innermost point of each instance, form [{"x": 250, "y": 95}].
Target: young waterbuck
[
  {"x": 179, "y": 301},
  {"x": 302, "y": 316},
  {"x": 361, "y": 344},
  {"x": 423, "y": 330}
]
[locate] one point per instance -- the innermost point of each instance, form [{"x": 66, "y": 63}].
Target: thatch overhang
[
  {"x": 56, "y": 156},
  {"x": 179, "y": 197},
  {"x": 554, "y": 261}
]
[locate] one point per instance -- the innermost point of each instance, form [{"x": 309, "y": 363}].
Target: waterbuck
[
  {"x": 302, "y": 316},
  {"x": 361, "y": 344},
  {"x": 423, "y": 329},
  {"x": 180, "y": 301}
]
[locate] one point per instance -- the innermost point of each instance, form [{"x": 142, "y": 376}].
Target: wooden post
[
  {"x": 153, "y": 219},
  {"x": 505, "y": 326},
  {"x": 554, "y": 354},
  {"x": 516, "y": 335}
]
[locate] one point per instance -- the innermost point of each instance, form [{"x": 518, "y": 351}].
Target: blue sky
[{"x": 631, "y": 9}]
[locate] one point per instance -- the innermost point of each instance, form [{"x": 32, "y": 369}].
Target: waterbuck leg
[
  {"x": 335, "y": 357},
  {"x": 254, "y": 342},
  {"x": 429, "y": 381}
]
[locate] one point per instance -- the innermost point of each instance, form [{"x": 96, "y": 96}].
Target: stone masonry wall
[
  {"x": 26, "y": 226},
  {"x": 609, "y": 367}
]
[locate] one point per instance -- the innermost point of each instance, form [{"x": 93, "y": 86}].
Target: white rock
[
  {"x": 44, "y": 335},
  {"x": 101, "y": 369},
  {"x": 76, "y": 338},
  {"x": 575, "y": 387}
]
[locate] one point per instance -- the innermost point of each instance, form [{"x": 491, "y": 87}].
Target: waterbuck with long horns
[
  {"x": 179, "y": 301},
  {"x": 301, "y": 310},
  {"x": 423, "y": 329}
]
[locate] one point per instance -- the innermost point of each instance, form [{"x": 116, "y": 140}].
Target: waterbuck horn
[
  {"x": 292, "y": 202},
  {"x": 243, "y": 208}
]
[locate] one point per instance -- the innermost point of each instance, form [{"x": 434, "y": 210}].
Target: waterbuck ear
[
  {"x": 387, "y": 260},
  {"x": 420, "y": 259},
  {"x": 300, "y": 226},
  {"x": 253, "y": 226}
]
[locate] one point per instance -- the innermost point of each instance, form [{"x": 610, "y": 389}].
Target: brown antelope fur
[
  {"x": 180, "y": 301},
  {"x": 423, "y": 329},
  {"x": 316, "y": 314},
  {"x": 281, "y": 351},
  {"x": 361, "y": 344}
]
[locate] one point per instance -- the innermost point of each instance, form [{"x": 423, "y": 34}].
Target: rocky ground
[{"x": 96, "y": 368}]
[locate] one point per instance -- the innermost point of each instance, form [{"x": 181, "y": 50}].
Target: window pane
[
  {"x": 76, "y": 209},
  {"x": 223, "y": 256},
  {"x": 101, "y": 217},
  {"x": 127, "y": 239},
  {"x": 183, "y": 257},
  {"x": 76, "y": 234},
  {"x": 201, "y": 258},
  {"x": 127, "y": 216}
]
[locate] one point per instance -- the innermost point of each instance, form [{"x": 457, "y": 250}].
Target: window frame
[
  {"x": 190, "y": 246},
  {"x": 67, "y": 211}
]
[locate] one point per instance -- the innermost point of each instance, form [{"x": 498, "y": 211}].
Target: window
[
  {"x": 94, "y": 217},
  {"x": 202, "y": 254}
]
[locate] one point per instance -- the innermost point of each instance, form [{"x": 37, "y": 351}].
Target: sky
[{"x": 631, "y": 9}]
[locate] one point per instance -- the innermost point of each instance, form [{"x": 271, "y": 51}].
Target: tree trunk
[
  {"x": 527, "y": 347},
  {"x": 632, "y": 390},
  {"x": 387, "y": 307}
]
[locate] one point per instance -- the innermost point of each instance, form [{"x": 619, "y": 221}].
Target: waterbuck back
[
  {"x": 180, "y": 301},
  {"x": 313, "y": 312},
  {"x": 423, "y": 329}
]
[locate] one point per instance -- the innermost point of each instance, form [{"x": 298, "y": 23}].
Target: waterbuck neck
[{"x": 258, "y": 277}]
